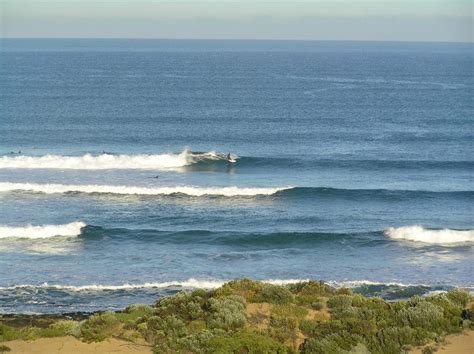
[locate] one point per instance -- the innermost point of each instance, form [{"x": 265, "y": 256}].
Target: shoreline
[{"x": 306, "y": 317}]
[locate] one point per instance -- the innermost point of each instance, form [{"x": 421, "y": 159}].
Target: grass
[{"x": 246, "y": 316}]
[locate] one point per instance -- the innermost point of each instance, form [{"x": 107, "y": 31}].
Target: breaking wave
[
  {"x": 133, "y": 190},
  {"x": 107, "y": 161},
  {"x": 420, "y": 234},
  {"x": 190, "y": 283},
  {"x": 43, "y": 231}
]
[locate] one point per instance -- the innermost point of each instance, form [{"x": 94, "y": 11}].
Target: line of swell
[
  {"x": 107, "y": 161},
  {"x": 134, "y": 190},
  {"x": 195, "y": 160},
  {"x": 284, "y": 239},
  {"x": 233, "y": 191},
  {"x": 353, "y": 164}
]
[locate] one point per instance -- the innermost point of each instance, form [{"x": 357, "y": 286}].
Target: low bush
[
  {"x": 4, "y": 349},
  {"x": 159, "y": 328},
  {"x": 425, "y": 315},
  {"x": 311, "y": 288},
  {"x": 227, "y": 313},
  {"x": 459, "y": 296},
  {"x": 250, "y": 290},
  {"x": 318, "y": 305},
  {"x": 244, "y": 342},
  {"x": 336, "y": 343},
  {"x": 284, "y": 329},
  {"x": 187, "y": 306},
  {"x": 275, "y": 294},
  {"x": 290, "y": 311},
  {"x": 100, "y": 326},
  {"x": 340, "y": 301}
]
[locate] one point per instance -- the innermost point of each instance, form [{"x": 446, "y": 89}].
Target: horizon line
[{"x": 240, "y": 39}]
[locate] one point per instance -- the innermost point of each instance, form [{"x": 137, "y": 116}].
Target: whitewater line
[
  {"x": 190, "y": 283},
  {"x": 109, "y": 161},
  {"x": 418, "y": 233},
  {"x": 43, "y": 231},
  {"x": 134, "y": 190}
]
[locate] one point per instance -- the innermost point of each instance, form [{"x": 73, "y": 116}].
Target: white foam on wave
[
  {"x": 190, "y": 283},
  {"x": 359, "y": 283},
  {"x": 44, "y": 231},
  {"x": 134, "y": 190},
  {"x": 420, "y": 234},
  {"x": 109, "y": 161}
]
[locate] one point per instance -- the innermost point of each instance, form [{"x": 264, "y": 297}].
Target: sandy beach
[{"x": 70, "y": 344}]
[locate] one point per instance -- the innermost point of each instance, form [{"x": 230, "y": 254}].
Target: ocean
[{"x": 354, "y": 165}]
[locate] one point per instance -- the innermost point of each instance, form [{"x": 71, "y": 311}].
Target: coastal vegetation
[{"x": 246, "y": 316}]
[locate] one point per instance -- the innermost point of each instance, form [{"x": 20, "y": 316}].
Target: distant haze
[{"x": 380, "y": 20}]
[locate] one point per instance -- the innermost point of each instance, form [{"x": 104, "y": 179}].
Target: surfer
[{"x": 228, "y": 157}]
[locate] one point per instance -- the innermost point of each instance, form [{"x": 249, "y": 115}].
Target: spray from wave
[
  {"x": 110, "y": 161},
  {"x": 133, "y": 190},
  {"x": 44, "y": 231},
  {"x": 420, "y": 234}
]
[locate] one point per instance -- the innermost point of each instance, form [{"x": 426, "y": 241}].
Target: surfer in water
[{"x": 228, "y": 157}]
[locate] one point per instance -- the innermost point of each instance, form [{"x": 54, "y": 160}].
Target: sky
[{"x": 376, "y": 20}]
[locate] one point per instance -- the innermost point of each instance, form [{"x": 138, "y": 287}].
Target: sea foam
[
  {"x": 420, "y": 234},
  {"x": 109, "y": 161},
  {"x": 43, "y": 231},
  {"x": 134, "y": 190}
]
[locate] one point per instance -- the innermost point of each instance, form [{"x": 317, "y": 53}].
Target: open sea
[{"x": 353, "y": 164}]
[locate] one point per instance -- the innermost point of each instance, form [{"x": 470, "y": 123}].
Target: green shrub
[
  {"x": 431, "y": 349},
  {"x": 360, "y": 327},
  {"x": 336, "y": 343},
  {"x": 61, "y": 328},
  {"x": 187, "y": 306},
  {"x": 157, "y": 328},
  {"x": 244, "y": 342},
  {"x": 195, "y": 343},
  {"x": 311, "y": 288},
  {"x": 250, "y": 290},
  {"x": 424, "y": 315},
  {"x": 340, "y": 301},
  {"x": 4, "y": 349},
  {"x": 290, "y": 310},
  {"x": 319, "y": 329},
  {"x": 318, "y": 306},
  {"x": 283, "y": 329},
  {"x": 133, "y": 312},
  {"x": 459, "y": 296},
  {"x": 275, "y": 294},
  {"x": 227, "y": 313},
  {"x": 100, "y": 326},
  {"x": 8, "y": 333},
  {"x": 391, "y": 340}
]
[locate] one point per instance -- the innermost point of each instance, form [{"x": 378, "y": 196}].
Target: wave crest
[
  {"x": 44, "y": 231},
  {"x": 107, "y": 161},
  {"x": 420, "y": 234},
  {"x": 133, "y": 190}
]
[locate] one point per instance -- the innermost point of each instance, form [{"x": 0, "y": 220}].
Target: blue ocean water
[{"x": 354, "y": 165}]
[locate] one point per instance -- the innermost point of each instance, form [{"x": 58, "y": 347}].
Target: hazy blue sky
[{"x": 412, "y": 20}]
